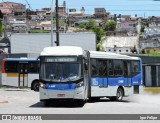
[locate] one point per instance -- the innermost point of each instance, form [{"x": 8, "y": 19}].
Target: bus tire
[
  {"x": 119, "y": 95},
  {"x": 35, "y": 85}
]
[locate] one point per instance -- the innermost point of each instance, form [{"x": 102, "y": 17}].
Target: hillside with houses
[{"x": 132, "y": 33}]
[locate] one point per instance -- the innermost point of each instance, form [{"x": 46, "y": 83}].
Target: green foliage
[
  {"x": 110, "y": 25},
  {"x": 91, "y": 24},
  {"x": 82, "y": 25},
  {"x": 39, "y": 31},
  {"x": 100, "y": 33},
  {"x": 1, "y": 28},
  {"x": 142, "y": 28},
  {"x": 61, "y": 22},
  {"x": 1, "y": 15}
]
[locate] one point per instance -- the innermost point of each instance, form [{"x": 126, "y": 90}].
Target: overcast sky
[{"x": 127, "y": 7}]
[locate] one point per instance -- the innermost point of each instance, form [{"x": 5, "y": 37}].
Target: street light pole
[
  {"x": 57, "y": 24},
  {"x": 52, "y": 24}
]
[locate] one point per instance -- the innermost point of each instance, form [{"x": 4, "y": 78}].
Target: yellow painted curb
[{"x": 152, "y": 90}]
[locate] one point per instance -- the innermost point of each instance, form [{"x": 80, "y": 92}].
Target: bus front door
[{"x": 23, "y": 76}]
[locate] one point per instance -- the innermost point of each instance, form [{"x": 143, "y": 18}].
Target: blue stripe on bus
[
  {"x": 116, "y": 81},
  {"x": 61, "y": 86},
  {"x": 22, "y": 60},
  {"x": 136, "y": 80},
  {"x": 99, "y": 81}
]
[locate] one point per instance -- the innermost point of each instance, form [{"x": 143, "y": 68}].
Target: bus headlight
[
  {"x": 80, "y": 84},
  {"x": 42, "y": 85}
]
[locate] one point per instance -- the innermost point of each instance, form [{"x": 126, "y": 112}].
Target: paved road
[{"x": 27, "y": 102}]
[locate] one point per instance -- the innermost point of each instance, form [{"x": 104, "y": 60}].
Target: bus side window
[
  {"x": 11, "y": 67},
  {"x": 94, "y": 67},
  {"x": 33, "y": 67},
  {"x": 118, "y": 68},
  {"x": 102, "y": 68},
  {"x": 135, "y": 67},
  {"x": 110, "y": 68}
]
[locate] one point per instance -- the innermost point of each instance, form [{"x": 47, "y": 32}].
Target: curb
[
  {"x": 3, "y": 101},
  {"x": 152, "y": 90}
]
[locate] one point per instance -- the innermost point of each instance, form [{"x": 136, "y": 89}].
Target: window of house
[
  {"x": 126, "y": 50},
  {"x": 109, "y": 50},
  {"x": 119, "y": 50}
]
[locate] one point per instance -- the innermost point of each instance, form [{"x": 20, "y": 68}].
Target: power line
[{"x": 28, "y": 5}]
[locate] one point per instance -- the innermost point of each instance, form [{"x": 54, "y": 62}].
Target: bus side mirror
[{"x": 86, "y": 66}]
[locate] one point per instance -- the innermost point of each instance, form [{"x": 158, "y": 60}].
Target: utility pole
[
  {"x": 52, "y": 24},
  {"x": 5, "y": 25},
  {"x": 57, "y": 24}
]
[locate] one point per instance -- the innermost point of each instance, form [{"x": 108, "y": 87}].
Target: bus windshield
[{"x": 60, "y": 72}]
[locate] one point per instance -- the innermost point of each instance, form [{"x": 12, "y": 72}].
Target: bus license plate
[{"x": 60, "y": 95}]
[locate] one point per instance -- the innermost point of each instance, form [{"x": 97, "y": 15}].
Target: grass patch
[{"x": 39, "y": 31}]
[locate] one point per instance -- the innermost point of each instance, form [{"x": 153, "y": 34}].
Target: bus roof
[
  {"x": 22, "y": 59},
  {"x": 75, "y": 51},
  {"x": 108, "y": 55},
  {"x": 62, "y": 51}
]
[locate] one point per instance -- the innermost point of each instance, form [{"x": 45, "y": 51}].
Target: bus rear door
[{"x": 23, "y": 75}]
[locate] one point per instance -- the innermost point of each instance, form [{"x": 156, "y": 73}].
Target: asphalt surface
[{"x": 25, "y": 101}]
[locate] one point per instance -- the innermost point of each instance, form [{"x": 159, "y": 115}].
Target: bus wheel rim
[
  {"x": 36, "y": 86},
  {"x": 119, "y": 95}
]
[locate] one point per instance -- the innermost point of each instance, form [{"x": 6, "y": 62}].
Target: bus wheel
[
  {"x": 119, "y": 96},
  {"x": 35, "y": 86}
]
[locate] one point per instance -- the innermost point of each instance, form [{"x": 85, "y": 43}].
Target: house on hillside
[
  {"x": 129, "y": 26},
  {"x": 120, "y": 44}
]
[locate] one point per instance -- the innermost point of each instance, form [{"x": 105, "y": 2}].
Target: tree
[
  {"x": 99, "y": 34},
  {"x": 110, "y": 25},
  {"x": 1, "y": 28},
  {"x": 142, "y": 27},
  {"x": 91, "y": 24},
  {"x": 82, "y": 25},
  {"x": 1, "y": 15}
]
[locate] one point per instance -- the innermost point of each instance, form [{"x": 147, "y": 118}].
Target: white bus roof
[
  {"x": 75, "y": 51},
  {"x": 108, "y": 55},
  {"x": 62, "y": 51}
]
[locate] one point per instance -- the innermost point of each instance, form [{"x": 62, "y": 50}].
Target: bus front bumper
[{"x": 46, "y": 94}]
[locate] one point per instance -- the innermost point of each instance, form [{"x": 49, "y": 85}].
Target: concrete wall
[{"x": 34, "y": 43}]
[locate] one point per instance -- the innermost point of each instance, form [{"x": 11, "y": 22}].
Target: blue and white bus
[{"x": 71, "y": 73}]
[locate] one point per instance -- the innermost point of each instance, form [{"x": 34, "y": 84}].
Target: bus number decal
[
  {"x": 94, "y": 82},
  {"x": 120, "y": 81}
]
